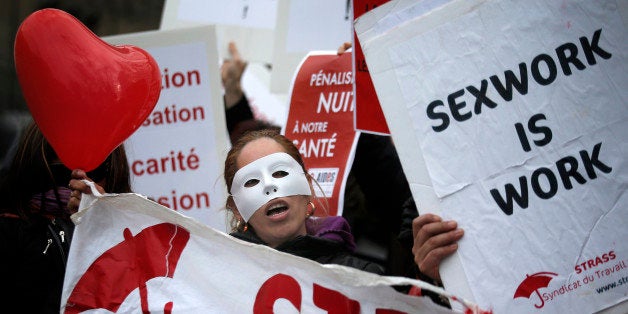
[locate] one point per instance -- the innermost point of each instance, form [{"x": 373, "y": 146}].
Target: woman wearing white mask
[{"x": 271, "y": 198}]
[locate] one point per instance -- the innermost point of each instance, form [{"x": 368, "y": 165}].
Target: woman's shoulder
[
  {"x": 14, "y": 228},
  {"x": 19, "y": 235}
]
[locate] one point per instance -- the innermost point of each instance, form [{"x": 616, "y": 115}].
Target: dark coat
[
  {"x": 32, "y": 266},
  {"x": 331, "y": 243}
]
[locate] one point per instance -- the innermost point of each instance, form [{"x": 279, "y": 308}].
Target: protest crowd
[{"x": 272, "y": 198}]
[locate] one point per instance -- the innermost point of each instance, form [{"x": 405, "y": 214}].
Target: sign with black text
[{"x": 510, "y": 117}]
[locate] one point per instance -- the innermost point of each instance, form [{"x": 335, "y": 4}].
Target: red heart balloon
[{"x": 86, "y": 96}]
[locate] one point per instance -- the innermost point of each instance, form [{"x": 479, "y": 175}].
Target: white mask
[{"x": 272, "y": 176}]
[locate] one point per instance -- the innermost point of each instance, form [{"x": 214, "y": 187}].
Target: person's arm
[
  {"x": 237, "y": 107},
  {"x": 231, "y": 72}
]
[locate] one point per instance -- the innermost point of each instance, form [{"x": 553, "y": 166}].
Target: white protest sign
[
  {"x": 265, "y": 105},
  {"x": 304, "y": 26},
  {"x": 249, "y": 24},
  {"x": 177, "y": 155},
  {"x": 130, "y": 254},
  {"x": 518, "y": 119}
]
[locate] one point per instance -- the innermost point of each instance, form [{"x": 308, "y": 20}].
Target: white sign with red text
[
  {"x": 177, "y": 155},
  {"x": 510, "y": 117},
  {"x": 132, "y": 255},
  {"x": 320, "y": 122}
]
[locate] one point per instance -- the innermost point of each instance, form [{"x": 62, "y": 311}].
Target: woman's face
[{"x": 280, "y": 219}]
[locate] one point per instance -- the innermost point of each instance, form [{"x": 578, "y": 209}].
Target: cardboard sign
[
  {"x": 304, "y": 26},
  {"x": 369, "y": 116},
  {"x": 131, "y": 255},
  {"x": 249, "y": 24},
  {"x": 320, "y": 122},
  {"x": 510, "y": 118},
  {"x": 266, "y": 106},
  {"x": 177, "y": 155}
]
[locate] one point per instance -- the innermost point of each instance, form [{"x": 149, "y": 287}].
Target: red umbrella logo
[
  {"x": 533, "y": 283},
  {"x": 153, "y": 252}
]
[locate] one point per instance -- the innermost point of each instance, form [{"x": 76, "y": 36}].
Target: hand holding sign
[
  {"x": 434, "y": 239},
  {"x": 69, "y": 77}
]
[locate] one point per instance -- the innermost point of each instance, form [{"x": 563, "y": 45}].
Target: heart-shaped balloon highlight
[{"x": 86, "y": 96}]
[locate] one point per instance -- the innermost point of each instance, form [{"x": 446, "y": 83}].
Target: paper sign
[
  {"x": 369, "y": 116},
  {"x": 517, "y": 113},
  {"x": 258, "y": 14},
  {"x": 177, "y": 155},
  {"x": 320, "y": 122},
  {"x": 249, "y": 24},
  {"x": 304, "y": 26},
  {"x": 265, "y": 105},
  {"x": 324, "y": 24},
  {"x": 132, "y": 255}
]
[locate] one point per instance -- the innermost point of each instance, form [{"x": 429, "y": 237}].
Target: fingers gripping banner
[{"x": 132, "y": 255}]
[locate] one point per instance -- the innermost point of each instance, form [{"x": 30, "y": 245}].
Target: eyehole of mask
[
  {"x": 251, "y": 183},
  {"x": 279, "y": 174}
]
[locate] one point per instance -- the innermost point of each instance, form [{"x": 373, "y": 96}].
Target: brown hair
[
  {"x": 115, "y": 172},
  {"x": 231, "y": 166},
  {"x": 35, "y": 169}
]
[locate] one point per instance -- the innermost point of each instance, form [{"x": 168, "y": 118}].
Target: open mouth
[{"x": 276, "y": 209}]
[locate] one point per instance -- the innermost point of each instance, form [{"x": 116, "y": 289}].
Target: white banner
[
  {"x": 132, "y": 255},
  {"x": 510, "y": 117},
  {"x": 177, "y": 155}
]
